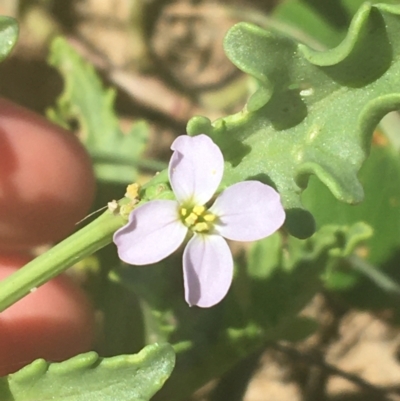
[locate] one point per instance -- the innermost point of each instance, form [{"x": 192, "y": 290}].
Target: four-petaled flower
[{"x": 246, "y": 211}]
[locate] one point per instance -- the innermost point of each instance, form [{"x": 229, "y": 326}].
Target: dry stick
[
  {"x": 148, "y": 90},
  {"x": 332, "y": 370}
]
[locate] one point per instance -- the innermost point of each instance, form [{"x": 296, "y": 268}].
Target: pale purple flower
[{"x": 246, "y": 211}]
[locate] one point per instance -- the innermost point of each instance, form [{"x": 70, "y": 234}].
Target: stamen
[
  {"x": 183, "y": 211},
  {"x": 199, "y": 210},
  {"x": 191, "y": 219},
  {"x": 132, "y": 191},
  {"x": 201, "y": 227},
  {"x": 209, "y": 217}
]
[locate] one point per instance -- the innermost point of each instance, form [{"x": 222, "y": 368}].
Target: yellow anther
[
  {"x": 132, "y": 191},
  {"x": 199, "y": 210},
  {"x": 183, "y": 211},
  {"x": 201, "y": 227},
  {"x": 125, "y": 210},
  {"x": 191, "y": 219},
  {"x": 112, "y": 206},
  {"x": 209, "y": 217}
]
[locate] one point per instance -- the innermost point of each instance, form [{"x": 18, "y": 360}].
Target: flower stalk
[{"x": 83, "y": 243}]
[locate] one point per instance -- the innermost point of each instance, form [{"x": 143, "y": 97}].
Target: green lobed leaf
[
  {"x": 8, "y": 35},
  {"x": 314, "y": 112},
  {"x": 279, "y": 287},
  {"x": 88, "y": 377},
  {"x": 324, "y": 21},
  {"x": 116, "y": 155},
  {"x": 353, "y": 5},
  {"x": 380, "y": 176},
  {"x": 338, "y": 272}
]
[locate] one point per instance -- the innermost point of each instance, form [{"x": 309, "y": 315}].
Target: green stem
[
  {"x": 377, "y": 276},
  {"x": 83, "y": 243}
]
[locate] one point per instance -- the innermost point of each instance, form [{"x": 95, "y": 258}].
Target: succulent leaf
[
  {"x": 87, "y": 377},
  {"x": 314, "y": 112}
]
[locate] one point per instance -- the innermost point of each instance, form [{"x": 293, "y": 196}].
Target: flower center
[{"x": 197, "y": 218}]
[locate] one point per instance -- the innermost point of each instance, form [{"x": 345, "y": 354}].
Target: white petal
[
  {"x": 207, "y": 270},
  {"x": 153, "y": 232},
  {"x": 248, "y": 211},
  {"x": 195, "y": 169}
]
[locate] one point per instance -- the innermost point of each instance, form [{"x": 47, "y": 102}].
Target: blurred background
[{"x": 166, "y": 62}]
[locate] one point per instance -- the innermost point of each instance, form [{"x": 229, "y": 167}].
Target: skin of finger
[
  {"x": 46, "y": 179},
  {"x": 54, "y": 322}
]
